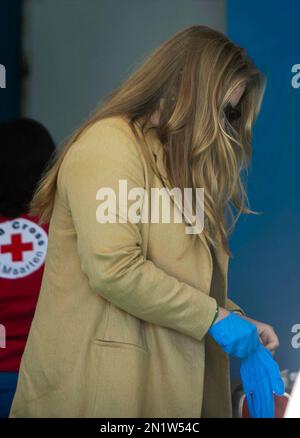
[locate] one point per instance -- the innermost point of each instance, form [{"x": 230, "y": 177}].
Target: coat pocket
[{"x": 122, "y": 330}]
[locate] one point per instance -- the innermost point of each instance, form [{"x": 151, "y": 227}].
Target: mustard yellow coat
[{"x": 120, "y": 328}]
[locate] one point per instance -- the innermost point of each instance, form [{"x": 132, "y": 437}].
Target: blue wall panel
[{"x": 264, "y": 276}]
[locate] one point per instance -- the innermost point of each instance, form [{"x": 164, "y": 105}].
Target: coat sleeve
[
  {"x": 232, "y": 307},
  {"x": 111, "y": 253}
]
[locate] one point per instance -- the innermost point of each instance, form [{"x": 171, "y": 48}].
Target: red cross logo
[{"x": 16, "y": 247}]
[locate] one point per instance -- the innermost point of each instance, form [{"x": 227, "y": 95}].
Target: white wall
[{"x": 79, "y": 50}]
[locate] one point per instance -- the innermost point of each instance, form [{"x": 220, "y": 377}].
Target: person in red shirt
[{"x": 26, "y": 150}]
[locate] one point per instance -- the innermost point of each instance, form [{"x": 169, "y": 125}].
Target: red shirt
[{"x": 23, "y": 246}]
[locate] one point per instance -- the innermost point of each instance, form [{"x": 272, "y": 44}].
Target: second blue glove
[{"x": 261, "y": 379}]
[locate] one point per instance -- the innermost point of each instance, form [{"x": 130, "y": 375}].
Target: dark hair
[{"x": 26, "y": 150}]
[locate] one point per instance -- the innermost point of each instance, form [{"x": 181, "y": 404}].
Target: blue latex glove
[
  {"x": 260, "y": 376},
  {"x": 237, "y": 336}
]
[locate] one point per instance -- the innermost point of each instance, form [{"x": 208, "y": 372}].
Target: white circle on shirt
[{"x": 23, "y": 247}]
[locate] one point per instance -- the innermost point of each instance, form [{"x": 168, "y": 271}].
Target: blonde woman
[{"x": 121, "y": 326}]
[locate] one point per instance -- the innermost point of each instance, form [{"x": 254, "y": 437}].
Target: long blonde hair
[{"x": 195, "y": 73}]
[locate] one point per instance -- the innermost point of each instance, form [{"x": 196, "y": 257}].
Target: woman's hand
[
  {"x": 235, "y": 335},
  {"x": 266, "y": 333}
]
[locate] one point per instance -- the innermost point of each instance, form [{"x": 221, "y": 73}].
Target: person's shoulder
[
  {"x": 109, "y": 127},
  {"x": 105, "y": 142},
  {"x": 106, "y": 137}
]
